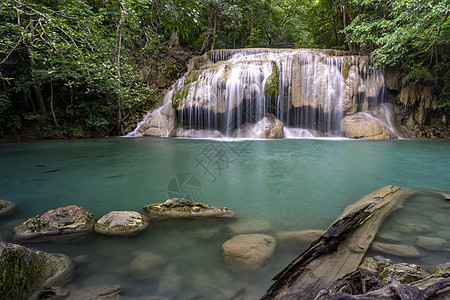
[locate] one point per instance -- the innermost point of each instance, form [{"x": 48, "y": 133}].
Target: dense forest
[{"x": 78, "y": 68}]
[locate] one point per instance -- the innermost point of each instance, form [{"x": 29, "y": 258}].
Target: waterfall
[{"x": 271, "y": 93}]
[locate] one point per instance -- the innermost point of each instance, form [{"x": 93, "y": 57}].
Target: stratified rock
[
  {"x": 121, "y": 223},
  {"x": 415, "y": 228},
  {"x": 182, "y": 208},
  {"x": 24, "y": 271},
  {"x": 398, "y": 250},
  {"x": 300, "y": 237},
  {"x": 6, "y": 207},
  {"x": 373, "y": 266},
  {"x": 146, "y": 265},
  {"x": 250, "y": 226},
  {"x": 97, "y": 292},
  {"x": 430, "y": 243},
  {"x": 248, "y": 252},
  {"x": 71, "y": 219},
  {"x": 403, "y": 272},
  {"x": 364, "y": 126}
]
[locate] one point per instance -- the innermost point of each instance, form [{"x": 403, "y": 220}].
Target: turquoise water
[{"x": 287, "y": 184}]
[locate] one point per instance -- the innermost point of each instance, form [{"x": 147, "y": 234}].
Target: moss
[
  {"x": 179, "y": 95},
  {"x": 191, "y": 76},
  {"x": 272, "y": 85},
  {"x": 345, "y": 68}
]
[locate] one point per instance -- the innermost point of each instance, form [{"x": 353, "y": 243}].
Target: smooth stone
[
  {"x": 430, "y": 243},
  {"x": 248, "y": 252},
  {"x": 183, "y": 208},
  {"x": 445, "y": 234},
  {"x": 251, "y": 226},
  {"x": 146, "y": 265},
  {"x": 441, "y": 218},
  {"x": 397, "y": 250},
  {"x": 97, "y": 292},
  {"x": 415, "y": 228},
  {"x": 24, "y": 271},
  {"x": 362, "y": 126},
  {"x": 6, "y": 207},
  {"x": 71, "y": 219},
  {"x": 121, "y": 223},
  {"x": 170, "y": 283},
  {"x": 403, "y": 272},
  {"x": 300, "y": 237},
  {"x": 388, "y": 238},
  {"x": 206, "y": 233},
  {"x": 373, "y": 266}
]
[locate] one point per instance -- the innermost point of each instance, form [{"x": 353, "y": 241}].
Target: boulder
[
  {"x": 364, "y": 126},
  {"x": 415, "y": 228},
  {"x": 430, "y": 243},
  {"x": 403, "y": 272},
  {"x": 71, "y": 219},
  {"x": 397, "y": 250},
  {"x": 146, "y": 265},
  {"x": 268, "y": 128},
  {"x": 250, "y": 226},
  {"x": 373, "y": 266},
  {"x": 121, "y": 223},
  {"x": 248, "y": 252},
  {"x": 183, "y": 208},
  {"x": 303, "y": 237},
  {"x": 24, "y": 271},
  {"x": 6, "y": 207}
]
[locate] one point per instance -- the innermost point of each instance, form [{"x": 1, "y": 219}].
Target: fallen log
[{"x": 340, "y": 249}]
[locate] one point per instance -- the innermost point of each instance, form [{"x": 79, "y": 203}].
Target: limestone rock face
[
  {"x": 121, "y": 223},
  {"x": 398, "y": 250},
  {"x": 248, "y": 252},
  {"x": 403, "y": 272},
  {"x": 6, "y": 207},
  {"x": 71, "y": 219},
  {"x": 363, "y": 126},
  {"x": 24, "y": 271},
  {"x": 183, "y": 208}
]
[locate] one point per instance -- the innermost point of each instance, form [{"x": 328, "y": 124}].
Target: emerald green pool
[{"x": 287, "y": 184}]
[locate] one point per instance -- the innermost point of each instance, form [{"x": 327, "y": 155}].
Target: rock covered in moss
[
  {"x": 248, "y": 252},
  {"x": 373, "y": 266},
  {"x": 121, "y": 223},
  {"x": 24, "y": 271},
  {"x": 6, "y": 207},
  {"x": 71, "y": 219},
  {"x": 182, "y": 208},
  {"x": 402, "y": 272}
]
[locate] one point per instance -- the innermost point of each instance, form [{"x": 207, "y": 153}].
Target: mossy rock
[
  {"x": 121, "y": 223},
  {"x": 71, "y": 219},
  {"x": 272, "y": 86},
  {"x": 402, "y": 272},
  {"x": 24, "y": 271},
  {"x": 183, "y": 208},
  {"x": 6, "y": 207}
]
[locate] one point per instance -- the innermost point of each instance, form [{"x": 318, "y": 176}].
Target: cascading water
[{"x": 271, "y": 93}]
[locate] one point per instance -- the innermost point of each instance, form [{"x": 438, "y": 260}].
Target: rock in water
[
  {"x": 430, "y": 243},
  {"x": 71, "y": 219},
  {"x": 403, "y": 272},
  {"x": 398, "y": 250},
  {"x": 121, "y": 223},
  {"x": 146, "y": 265},
  {"x": 248, "y": 252},
  {"x": 182, "y": 208},
  {"x": 24, "y": 271},
  {"x": 6, "y": 207},
  {"x": 301, "y": 237},
  {"x": 362, "y": 126}
]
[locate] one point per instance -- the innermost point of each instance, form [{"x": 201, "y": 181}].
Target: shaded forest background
[{"x": 82, "y": 68}]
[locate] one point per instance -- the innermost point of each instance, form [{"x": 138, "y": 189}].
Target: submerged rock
[
  {"x": 248, "y": 252},
  {"x": 146, "y": 265},
  {"x": 97, "y": 292},
  {"x": 121, "y": 223},
  {"x": 430, "y": 243},
  {"x": 364, "y": 126},
  {"x": 71, "y": 219},
  {"x": 182, "y": 208},
  {"x": 24, "y": 271},
  {"x": 300, "y": 237},
  {"x": 6, "y": 207},
  {"x": 397, "y": 250},
  {"x": 415, "y": 228},
  {"x": 250, "y": 226}
]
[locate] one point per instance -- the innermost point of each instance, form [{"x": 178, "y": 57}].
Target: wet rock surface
[
  {"x": 182, "y": 208},
  {"x": 121, "y": 223},
  {"x": 71, "y": 219},
  {"x": 24, "y": 271},
  {"x": 6, "y": 207}
]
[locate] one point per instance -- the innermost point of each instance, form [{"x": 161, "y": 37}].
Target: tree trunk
[
  {"x": 117, "y": 63},
  {"x": 53, "y": 111}
]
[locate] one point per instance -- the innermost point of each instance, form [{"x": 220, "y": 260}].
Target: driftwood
[{"x": 340, "y": 249}]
